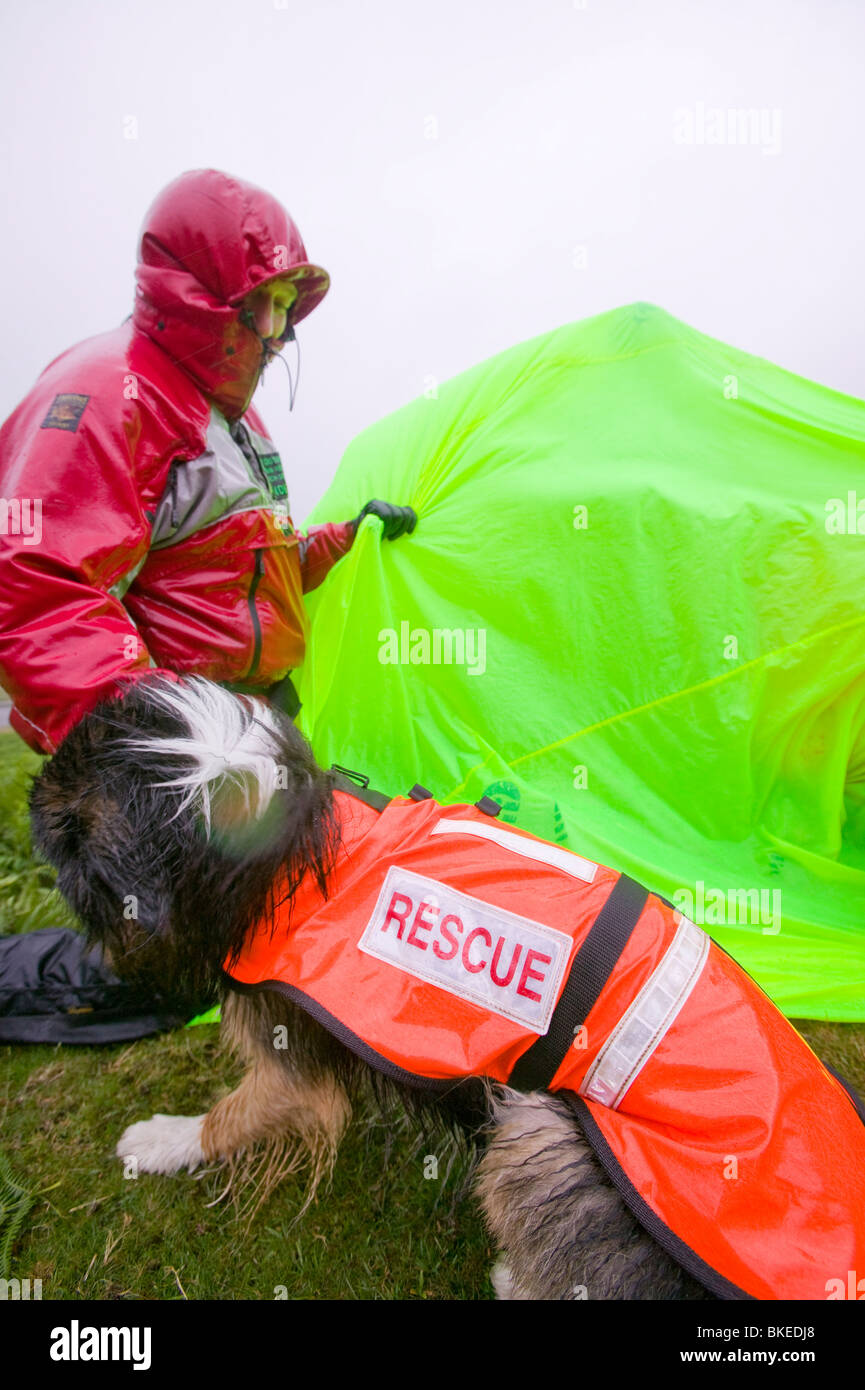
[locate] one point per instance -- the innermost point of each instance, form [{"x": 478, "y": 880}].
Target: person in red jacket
[{"x": 147, "y": 515}]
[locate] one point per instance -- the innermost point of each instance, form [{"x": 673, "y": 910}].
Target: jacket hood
[{"x": 206, "y": 242}]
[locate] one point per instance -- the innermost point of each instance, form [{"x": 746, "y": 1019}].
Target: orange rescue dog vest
[{"x": 451, "y": 946}]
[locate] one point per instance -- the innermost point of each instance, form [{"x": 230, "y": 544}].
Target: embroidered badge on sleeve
[{"x": 65, "y": 413}]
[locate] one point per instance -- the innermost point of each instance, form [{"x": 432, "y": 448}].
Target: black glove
[{"x": 398, "y": 521}]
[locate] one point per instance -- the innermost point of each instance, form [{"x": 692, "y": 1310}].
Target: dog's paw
[
  {"x": 503, "y": 1281},
  {"x": 504, "y": 1284},
  {"x": 163, "y": 1144}
]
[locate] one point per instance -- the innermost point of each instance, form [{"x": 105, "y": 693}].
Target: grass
[
  {"x": 26, "y": 887},
  {"x": 381, "y": 1231}
]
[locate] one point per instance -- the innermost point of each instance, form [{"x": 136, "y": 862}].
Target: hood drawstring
[
  {"x": 290, "y": 337},
  {"x": 268, "y": 355}
]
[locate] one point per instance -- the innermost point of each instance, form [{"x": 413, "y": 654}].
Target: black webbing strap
[
  {"x": 590, "y": 970},
  {"x": 342, "y": 778},
  {"x": 419, "y": 793},
  {"x": 285, "y": 697}
]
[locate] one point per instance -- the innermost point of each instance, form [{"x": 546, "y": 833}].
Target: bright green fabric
[{"x": 692, "y": 653}]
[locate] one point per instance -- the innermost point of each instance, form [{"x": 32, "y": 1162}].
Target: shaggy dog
[{"x": 170, "y": 814}]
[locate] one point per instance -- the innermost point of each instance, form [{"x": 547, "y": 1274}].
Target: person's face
[{"x": 269, "y": 308}]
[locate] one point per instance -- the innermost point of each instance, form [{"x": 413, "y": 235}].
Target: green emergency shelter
[{"x": 633, "y": 612}]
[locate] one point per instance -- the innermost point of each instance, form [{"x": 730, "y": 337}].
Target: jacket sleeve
[
  {"x": 65, "y": 637},
  {"x": 320, "y": 549}
]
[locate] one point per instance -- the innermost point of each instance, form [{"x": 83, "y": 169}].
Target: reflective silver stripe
[
  {"x": 652, "y": 1013},
  {"x": 539, "y": 850},
  {"x": 201, "y": 491}
]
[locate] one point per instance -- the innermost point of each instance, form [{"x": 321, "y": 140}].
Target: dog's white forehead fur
[{"x": 229, "y": 736}]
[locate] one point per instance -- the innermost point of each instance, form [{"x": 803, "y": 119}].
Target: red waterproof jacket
[
  {"x": 450, "y": 946},
  {"x": 146, "y": 515}
]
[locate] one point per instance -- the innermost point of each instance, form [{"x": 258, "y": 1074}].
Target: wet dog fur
[{"x": 170, "y": 815}]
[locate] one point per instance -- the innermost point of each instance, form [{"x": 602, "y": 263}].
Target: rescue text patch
[
  {"x": 65, "y": 412},
  {"x": 508, "y": 964}
]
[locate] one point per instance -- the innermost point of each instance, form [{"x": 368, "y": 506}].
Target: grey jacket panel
[{"x": 227, "y": 478}]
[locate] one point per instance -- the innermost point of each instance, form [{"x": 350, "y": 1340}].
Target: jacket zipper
[
  {"x": 174, "y": 495},
  {"x": 243, "y": 440},
  {"x": 253, "y": 612}
]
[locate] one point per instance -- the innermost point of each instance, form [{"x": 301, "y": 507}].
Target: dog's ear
[{"x": 104, "y": 869}]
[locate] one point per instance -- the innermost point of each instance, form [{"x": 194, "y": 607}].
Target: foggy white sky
[{"x": 446, "y": 162}]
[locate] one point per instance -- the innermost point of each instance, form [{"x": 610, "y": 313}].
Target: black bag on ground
[{"x": 54, "y": 988}]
